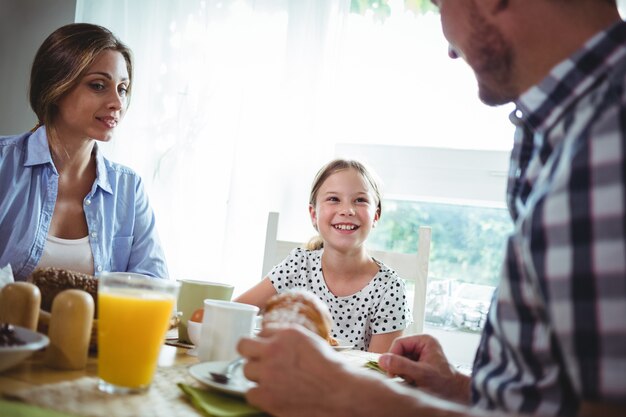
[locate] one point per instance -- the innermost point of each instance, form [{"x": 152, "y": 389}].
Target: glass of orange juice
[{"x": 133, "y": 317}]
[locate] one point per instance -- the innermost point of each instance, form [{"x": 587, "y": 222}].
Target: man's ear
[
  {"x": 492, "y": 7},
  {"x": 500, "y": 5}
]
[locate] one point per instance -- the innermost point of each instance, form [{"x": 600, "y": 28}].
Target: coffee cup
[
  {"x": 224, "y": 323},
  {"x": 191, "y": 296}
]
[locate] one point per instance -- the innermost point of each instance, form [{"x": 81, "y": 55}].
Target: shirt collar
[
  {"x": 102, "y": 173},
  {"x": 542, "y": 105},
  {"x": 37, "y": 149},
  {"x": 38, "y": 153}
]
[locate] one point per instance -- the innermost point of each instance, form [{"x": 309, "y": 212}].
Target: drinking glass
[{"x": 133, "y": 316}]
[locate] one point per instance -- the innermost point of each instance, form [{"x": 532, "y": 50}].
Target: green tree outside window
[
  {"x": 381, "y": 9},
  {"x": 466, "y": 255}
]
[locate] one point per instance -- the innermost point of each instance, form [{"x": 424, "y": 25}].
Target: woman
[{"x": 62, "y": 203}]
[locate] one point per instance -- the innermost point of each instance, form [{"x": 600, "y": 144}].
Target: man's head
[
  {"x": 482, "y": 45},
  {"x": 513, "y": 44}
]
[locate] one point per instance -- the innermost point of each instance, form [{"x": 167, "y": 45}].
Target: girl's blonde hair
[{"x": 331, "y": 168}]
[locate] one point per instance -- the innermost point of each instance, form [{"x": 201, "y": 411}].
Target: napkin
[
  {"x": 19, "y": 409},
  {"x": 217, "y": 404},
  {"x": 6, "y": 275}
]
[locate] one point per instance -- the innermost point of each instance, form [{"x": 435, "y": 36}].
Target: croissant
[{"x": 300, "y": 307}]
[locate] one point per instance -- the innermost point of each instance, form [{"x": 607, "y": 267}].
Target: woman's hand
[{"x": 421, "y": 362}]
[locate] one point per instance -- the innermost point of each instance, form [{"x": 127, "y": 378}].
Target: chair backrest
[{"x": 411, "y": 267}]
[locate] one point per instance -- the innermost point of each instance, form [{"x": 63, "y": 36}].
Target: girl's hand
[{"x": 420, "y": 361}]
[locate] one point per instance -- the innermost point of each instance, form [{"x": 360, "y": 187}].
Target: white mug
[
  {"x": 224, "y": 323},
  {"x": 191, "y": 297}
]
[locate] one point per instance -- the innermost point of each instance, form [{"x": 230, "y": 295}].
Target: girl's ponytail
[{"x": 315, "y": 243}]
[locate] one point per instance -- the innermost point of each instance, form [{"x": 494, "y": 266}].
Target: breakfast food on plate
[
  {"x": 8, "y": 336},
  {"x": 51, "y": 281},
  {"x": 300, "y": 307}
]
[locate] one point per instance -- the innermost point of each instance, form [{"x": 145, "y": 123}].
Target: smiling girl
[
  {"x": 366, "y": 298},
  {"x": 62, "y": 203}
]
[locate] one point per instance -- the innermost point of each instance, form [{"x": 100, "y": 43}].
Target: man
[{"x": 555, "y": 338}]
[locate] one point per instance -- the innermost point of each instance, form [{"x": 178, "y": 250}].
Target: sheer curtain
[
  {"x": 237, "y": 103},
  {"x": 222, "y": 122}
]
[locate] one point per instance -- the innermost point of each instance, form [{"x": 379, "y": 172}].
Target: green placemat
[{"x": 217, "y": 404}]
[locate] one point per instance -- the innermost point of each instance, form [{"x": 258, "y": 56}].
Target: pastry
[{"x": 300, "y": 307}]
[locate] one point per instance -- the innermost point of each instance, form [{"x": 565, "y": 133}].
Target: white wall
[
  {"x": 461, "y": 176},
  {"x": 24, "y": 24}
]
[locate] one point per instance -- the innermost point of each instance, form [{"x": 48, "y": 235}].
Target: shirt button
[
  {"x": 99, "y": 268},
  {"x": 94, "y": 234},
  {"x": 87, "y": 202}
]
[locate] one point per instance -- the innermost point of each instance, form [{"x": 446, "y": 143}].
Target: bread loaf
[{"x": 51, "y": 281}]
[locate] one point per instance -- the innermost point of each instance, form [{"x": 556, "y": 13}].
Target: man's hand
[
  {"x": 420, "y": 361},
  {"x": 296, "y": 371}
]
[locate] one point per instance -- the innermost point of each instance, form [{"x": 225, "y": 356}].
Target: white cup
[
  {"x": 191, "y": 296},
  {"x": 224, "y": 323}
]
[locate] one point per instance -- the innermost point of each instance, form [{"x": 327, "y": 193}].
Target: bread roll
[{"x": 300, "y": 307}]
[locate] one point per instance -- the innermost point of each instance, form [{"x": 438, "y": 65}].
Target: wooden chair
[{"x": 413, "y": 268}]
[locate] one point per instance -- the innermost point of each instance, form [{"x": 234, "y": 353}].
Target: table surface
[{"x": 33, "y": 373}]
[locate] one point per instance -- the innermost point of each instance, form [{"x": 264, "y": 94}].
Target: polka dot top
[{"x": 380, "y": 307}]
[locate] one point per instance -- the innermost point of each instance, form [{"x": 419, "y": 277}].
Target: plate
[
  {"x": 11, "y": 356},
  {"x": 342, "y": 345},
  {"x": 238, "y": 384}
]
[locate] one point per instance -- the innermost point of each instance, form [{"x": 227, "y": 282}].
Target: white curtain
[{"x": 237, "y": 103}]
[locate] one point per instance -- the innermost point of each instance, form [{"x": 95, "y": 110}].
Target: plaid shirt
[{"x": 556, "y": 330}]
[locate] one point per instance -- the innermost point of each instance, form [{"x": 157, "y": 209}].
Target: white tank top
[{"x": 72, "y": 254}]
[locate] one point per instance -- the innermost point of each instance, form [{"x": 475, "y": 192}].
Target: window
[
  {"x": 459, "y": 193},
  {"x": 465, "y": 259}
]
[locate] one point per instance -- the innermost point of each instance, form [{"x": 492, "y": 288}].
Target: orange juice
[{"x": 131, "y": 328}]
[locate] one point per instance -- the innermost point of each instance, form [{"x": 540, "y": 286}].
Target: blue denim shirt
[{"x": 121, "y": 223}]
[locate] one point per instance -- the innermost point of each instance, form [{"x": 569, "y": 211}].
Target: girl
[
  {"x": 366, "y": 298},
  {"x": 63, "y": 204}
]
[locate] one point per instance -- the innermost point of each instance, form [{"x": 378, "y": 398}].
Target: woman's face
[
  {"x": 93, "y": 109},
  {"x": 345, "y": 210}
]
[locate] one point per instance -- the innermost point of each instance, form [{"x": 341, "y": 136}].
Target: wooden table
[{"x": 33, "y": 373}]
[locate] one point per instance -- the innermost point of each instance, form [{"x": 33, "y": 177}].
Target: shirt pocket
[{"x": 121, "y": 253}]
